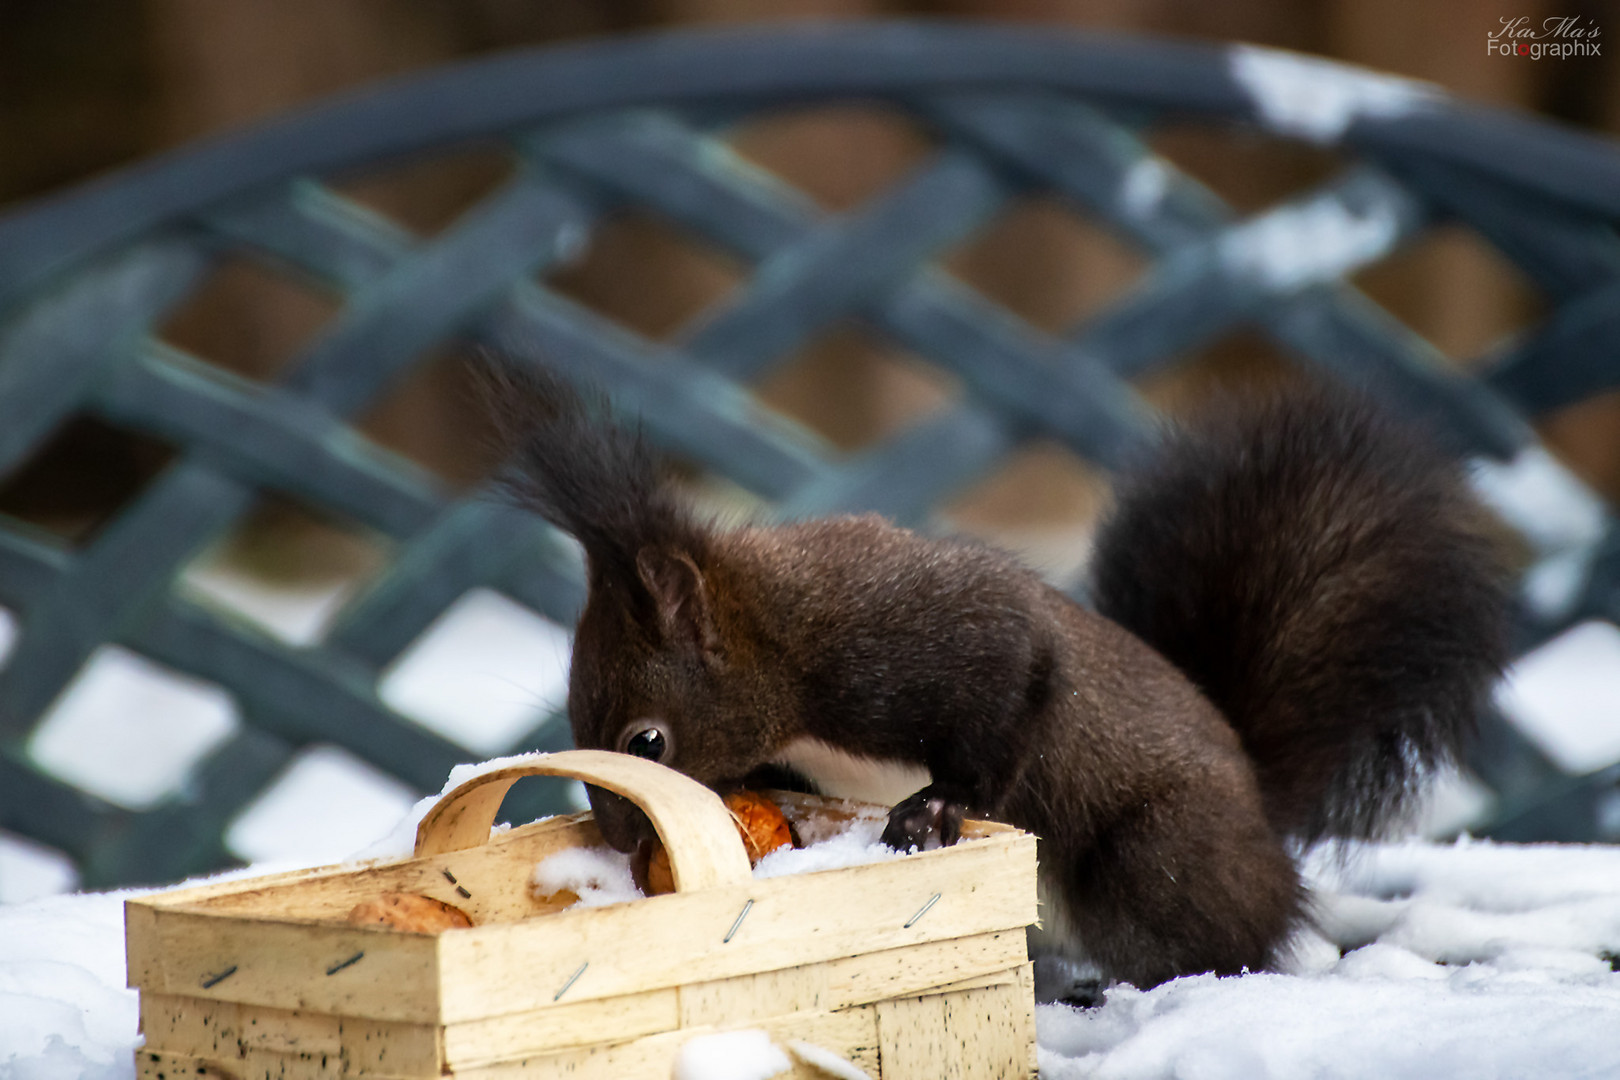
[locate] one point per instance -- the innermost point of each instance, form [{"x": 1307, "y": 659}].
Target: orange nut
[
  {"x": 760, "y": 823},
  {"x": 660, "y": 875},
  {"x": 408, "y": 911}
]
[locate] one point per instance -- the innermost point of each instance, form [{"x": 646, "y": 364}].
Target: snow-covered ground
[{"x": 1467, "y": 959}]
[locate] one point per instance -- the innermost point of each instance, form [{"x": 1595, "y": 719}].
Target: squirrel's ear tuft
[{"x": 680, "y": 595}]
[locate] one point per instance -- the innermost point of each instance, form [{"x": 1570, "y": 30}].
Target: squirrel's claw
[{"x": 924, "y": 821}]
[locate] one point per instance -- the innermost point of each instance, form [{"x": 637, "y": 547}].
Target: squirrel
[{"x": 1299, "y": 612}]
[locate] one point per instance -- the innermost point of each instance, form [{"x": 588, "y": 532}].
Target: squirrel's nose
[{"x": 621, "y": 822}]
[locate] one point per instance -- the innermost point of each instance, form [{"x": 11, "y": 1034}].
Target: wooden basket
[{"x": 912, "y": 969}]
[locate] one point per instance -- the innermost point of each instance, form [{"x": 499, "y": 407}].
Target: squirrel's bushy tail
[{"x": 1323, "y": 574}]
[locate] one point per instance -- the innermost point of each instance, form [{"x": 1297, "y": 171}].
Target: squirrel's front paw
[{"x": 924, "y": 821}]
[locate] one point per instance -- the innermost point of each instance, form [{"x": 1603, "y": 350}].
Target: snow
[
  {"x": 400, "y": 841},
  {"x": 513, "y": 668},
  {"x": 298, "y": 614},
  {"x": 64, "y": 1011},
  {"x": 601, "y": 875},
  {"x": 472, "y": 770},
  {"x": 855, "y": 845},
  {"x": 1565, "y": 695},
  {"x": 1553, "y": 585},
  {"x": 1316, "y": 99},
  {"x": 1560, "y": 516},
  {"x": 1371, "y": 1020},
  {"x": 1293, "y": 247},
  {"x": 819, "y": 1057},
  {"x": 732, "y": 1055},
  {"x": 163, "y": 723},
  {"x": 29, "y": 870},
  {"x": 597, "y": 875},
  {"x": 1541, "y": 498},
  {"x": 1455, "y": 803},
  {"x": 1471, "y": 959},
  {"x": 293, "y": 818},
  {"x": 1145, "y": 185},
  {"x": 8, "y": 632},
  {"x": 749, "y": 1054},
  {"x": 1458, "y": 959}
]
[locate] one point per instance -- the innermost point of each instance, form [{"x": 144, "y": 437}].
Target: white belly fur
[{"x": 843, "y": 775}]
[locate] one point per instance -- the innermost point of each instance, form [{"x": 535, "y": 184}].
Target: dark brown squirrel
[{"x": 1299, "y": 614}]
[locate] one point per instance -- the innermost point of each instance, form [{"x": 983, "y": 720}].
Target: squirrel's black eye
[{"x": 647, "y": 743}]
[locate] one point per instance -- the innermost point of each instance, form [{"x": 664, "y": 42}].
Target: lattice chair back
[{"x": 88, "y": 279}]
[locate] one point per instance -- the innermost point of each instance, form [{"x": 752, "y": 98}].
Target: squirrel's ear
[{"x": 685, "y": 614}]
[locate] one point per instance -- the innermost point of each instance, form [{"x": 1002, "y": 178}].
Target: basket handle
[{"x": 695, "y": 826}]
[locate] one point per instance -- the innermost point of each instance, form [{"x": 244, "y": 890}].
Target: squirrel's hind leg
[{"x": 1187, "y": 882}]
